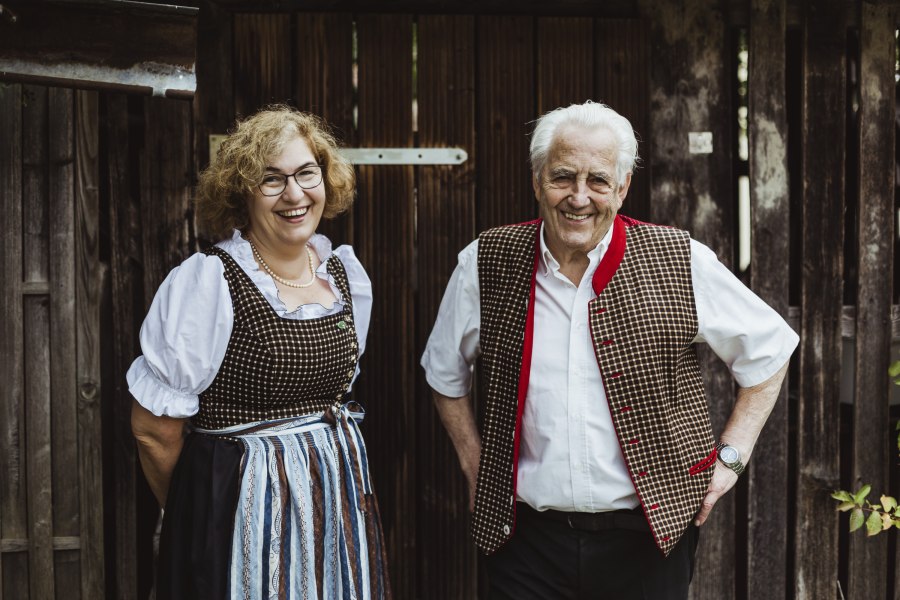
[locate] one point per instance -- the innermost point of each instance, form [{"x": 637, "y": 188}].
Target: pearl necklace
[{"x": 282, "y": 280}]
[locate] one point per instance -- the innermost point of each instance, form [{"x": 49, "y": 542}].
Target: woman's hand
[{"x": 159, "y": 442}]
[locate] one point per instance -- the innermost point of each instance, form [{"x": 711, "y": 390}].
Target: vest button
[{"x": 506, "y": 530}]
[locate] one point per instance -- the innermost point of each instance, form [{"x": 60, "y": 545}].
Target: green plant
[{"x": 885, "y": 513}]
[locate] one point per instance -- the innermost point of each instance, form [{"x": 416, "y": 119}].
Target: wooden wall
[{"x": 98, "y": 187}]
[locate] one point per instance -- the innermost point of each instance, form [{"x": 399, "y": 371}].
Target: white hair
[{"x": 590, "y": 115}]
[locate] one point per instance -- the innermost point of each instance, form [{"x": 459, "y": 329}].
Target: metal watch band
[{"x": 737, "y": 466}]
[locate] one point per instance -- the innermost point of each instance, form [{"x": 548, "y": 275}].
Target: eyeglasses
[{"x": 307, "y": 177}]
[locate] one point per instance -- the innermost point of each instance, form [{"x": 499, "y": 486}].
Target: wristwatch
[{"x": 730, "y": 457}]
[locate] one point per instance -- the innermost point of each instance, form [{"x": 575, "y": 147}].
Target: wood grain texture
[
  {"x": 324, "y": 86},
  {"x": 385, "y": 213},
  {"x": 868, "y": 558},
  {"x": 767, "y": 478},
  {"x": 689, "y": 91},
  {"x": 38, "y": 460},
  {"x": 622, "y": 80},
  {"x": 505, "y": 80},
  {"x": 262, "y": 61},
  {"x": 90, "y": 273},
  {"x": 565, "y": 62},
  {"x": 816, "y": 546},
  {"x": 214, "y": 99},
  {"x": 445, "y": 212},
  {"x": 63, "y": 390},
  {"x": 12, "y": 425},
  {"x": 126, "y": 258},
  {"x": 34, "y": 184}
]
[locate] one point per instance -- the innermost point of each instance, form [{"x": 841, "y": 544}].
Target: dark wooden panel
[
  {"x": 767, "y": 478},
  {"x": 36, "y": 356},
  {"x": 12, "y": 434},
  {"x": 622, "y": 80},
  {"x": 126, "y": 257},
  {"x": 61, "y": 250},
  {"x": 262, "y": 61},
  {"x": 823, "y": 139},
  {"x": 90, "y": 274},
  {"x": 385, "y": 213},
  {"x": 167, "y": 228},
  {"x": 445, "y": 213},
  {"x": 565, "y": 62},
  {"x": 689, "y": 91},
  {"x": 34, "y": 183},
  {"x": 324, "y": 86},
  {"x": 505, "y": 81},
  {"x": 214, "y": 100},
  {"x": 871, "y": 423}
]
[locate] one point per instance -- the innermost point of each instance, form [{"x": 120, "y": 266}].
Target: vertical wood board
[
  {"x": 34, "y": 183},
  {"x": 262, "y": 61},
  {"x": 565, "y": 62},
  {"x": 445, "y": 223}
]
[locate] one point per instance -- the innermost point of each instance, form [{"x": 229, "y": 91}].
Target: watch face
[{"x": 728, "y": 455}]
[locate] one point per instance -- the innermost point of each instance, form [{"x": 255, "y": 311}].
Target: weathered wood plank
[
  {"x": 214, "y": 99},
  {"x": 823, "y": 129},
  {"x": 622, "y": 80},
  {"x": 565, "y": 62},
  {"x": 126, "y": 257},
  {"x": 385, "y": 212},
  {"x": 769, "y": 196},
  {"x": 34, "y": 183},
  {"x": 505, "y": 80},
  {"x": 324, "y": 86},
  {"x": 12, "y": 438},
  {"x": 445, "y": 212},
  {"x": 38, "y": 460},
  {"x": 868, "y": 559},
  {"x": 689, "y": 90},
  {"x": 262, "y": 61},
  {"x": 90, "y": 274},
  {"x": 168, "y": 232},
  {"x": 63, "y": 390}
]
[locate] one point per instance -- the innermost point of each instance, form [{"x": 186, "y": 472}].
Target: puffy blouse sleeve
[
  {"x": 183, "y": 338},
  {"x": 360, "y": 291}
]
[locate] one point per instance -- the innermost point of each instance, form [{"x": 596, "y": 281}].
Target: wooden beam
[{"x": 103, "y": 44}]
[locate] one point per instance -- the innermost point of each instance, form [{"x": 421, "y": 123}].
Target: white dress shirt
[
  {"x": 569, "y": 457},
  {"x": 186, "y": 332}
]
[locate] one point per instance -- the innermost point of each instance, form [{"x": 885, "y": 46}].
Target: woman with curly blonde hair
[{"x": 252, "y": 348}]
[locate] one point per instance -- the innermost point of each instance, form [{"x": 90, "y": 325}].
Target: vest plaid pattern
[
  {"x": 642, "y": 324},
  {"x": 274, "y": 367}
]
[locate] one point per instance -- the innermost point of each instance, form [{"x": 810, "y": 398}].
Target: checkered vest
[
  {"x": 275, "y": 367},
  {"x": 642, "y": 323}
]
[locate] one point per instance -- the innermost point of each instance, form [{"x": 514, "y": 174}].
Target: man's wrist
[{"x": 730, "y": 456}]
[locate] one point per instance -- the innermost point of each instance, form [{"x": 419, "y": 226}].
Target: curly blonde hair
[{"x": 242, "y": 160}]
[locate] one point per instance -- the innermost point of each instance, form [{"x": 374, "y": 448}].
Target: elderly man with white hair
[{"x": 596, "y": 462}]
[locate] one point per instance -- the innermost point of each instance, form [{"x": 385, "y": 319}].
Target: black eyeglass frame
[{"x": 259, "y": 186}]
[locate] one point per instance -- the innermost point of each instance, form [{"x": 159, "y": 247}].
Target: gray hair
[{"x": 590, "y": 115}]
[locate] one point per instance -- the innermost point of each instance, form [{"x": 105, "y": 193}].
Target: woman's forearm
[{"x": 159, "y": 443}]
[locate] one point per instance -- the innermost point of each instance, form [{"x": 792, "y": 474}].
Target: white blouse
[{"x": 186, "y": 331}]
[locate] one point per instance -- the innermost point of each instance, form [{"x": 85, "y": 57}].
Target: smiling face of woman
[{"x": 283, "y": 223}]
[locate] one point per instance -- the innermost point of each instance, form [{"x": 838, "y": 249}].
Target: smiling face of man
[{"x": 577, "y": 190}]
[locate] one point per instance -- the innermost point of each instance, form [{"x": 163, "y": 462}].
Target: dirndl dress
[{"x": 271, "y": 496}]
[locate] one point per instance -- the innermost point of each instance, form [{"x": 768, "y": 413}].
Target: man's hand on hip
[{"x": 723, "y": 479}]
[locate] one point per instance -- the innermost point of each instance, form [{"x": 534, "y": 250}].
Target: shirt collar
[{"x": 550, "y": 265}]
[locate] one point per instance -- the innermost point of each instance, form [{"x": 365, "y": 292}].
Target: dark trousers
[{"x": 548, "y": 559}]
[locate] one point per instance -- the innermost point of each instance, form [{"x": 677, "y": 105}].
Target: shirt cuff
[{"x": 157, "y": 397}]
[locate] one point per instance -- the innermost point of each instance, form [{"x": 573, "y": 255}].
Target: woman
[{"x": 252, "y": 347}]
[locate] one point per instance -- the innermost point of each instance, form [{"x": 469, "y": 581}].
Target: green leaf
[
  {"x": 856, "y": 519},
  {"x": 886, "y": 522},
  {"x": 873, "y": 524},
  {"x": 842, "y": 496},
  {"x": 894, "y": 369},
  {"x": 845, "y": 506},
  {"x": 859, "y": 496},
  {"x": 889, "y": 503}
]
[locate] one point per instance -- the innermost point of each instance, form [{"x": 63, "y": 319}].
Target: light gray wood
[
  {"x": 12, "y": 488},
  {"x": 767, "y": 497},
  {"x": 868, "y": 564},
  {"x": 90, "y": 275}
]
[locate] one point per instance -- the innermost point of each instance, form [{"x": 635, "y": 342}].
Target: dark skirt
[{"x": 288, "y": 515}]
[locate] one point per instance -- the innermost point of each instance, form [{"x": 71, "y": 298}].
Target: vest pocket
[{"x": 704, "y": 464}]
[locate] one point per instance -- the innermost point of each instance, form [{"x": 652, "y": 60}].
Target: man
[{"x": 597, "y": 462}]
